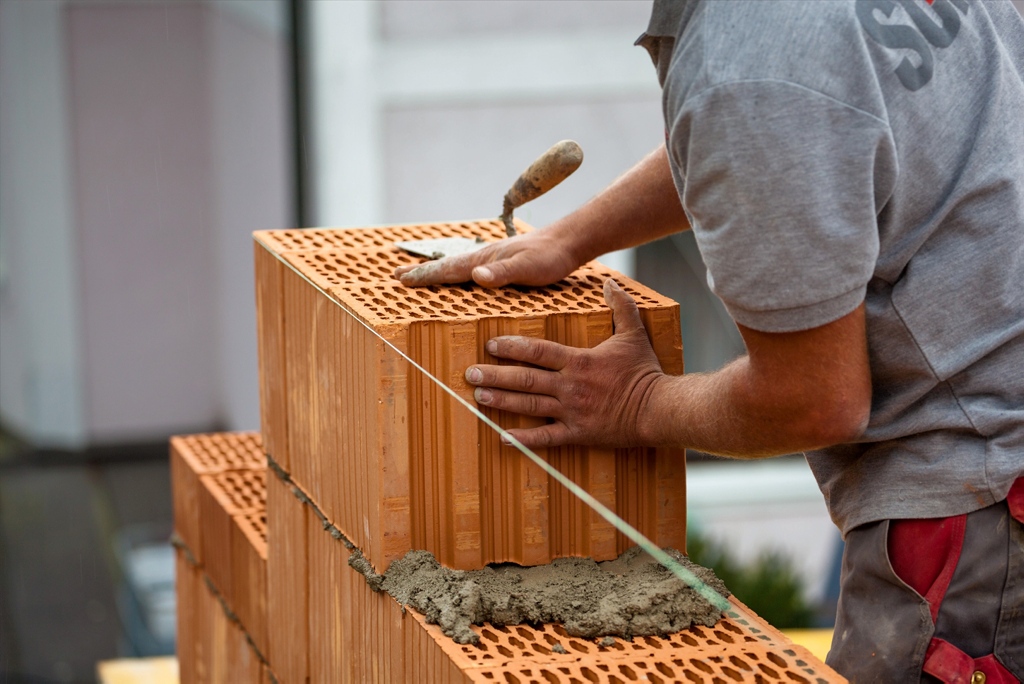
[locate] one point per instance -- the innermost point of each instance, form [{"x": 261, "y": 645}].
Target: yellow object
[
  {"x": 978, "y": 677},
  {"x": 138, "y": 671},
  {"x": 817, "y": 641}
]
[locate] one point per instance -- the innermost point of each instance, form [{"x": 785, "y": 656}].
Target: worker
[{"x": 853, "y": 172}]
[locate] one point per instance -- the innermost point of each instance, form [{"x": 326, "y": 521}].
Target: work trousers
[{"x": 934, "y": 600}]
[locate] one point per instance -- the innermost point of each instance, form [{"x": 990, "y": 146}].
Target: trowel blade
[{"x": 439, "y": 248}]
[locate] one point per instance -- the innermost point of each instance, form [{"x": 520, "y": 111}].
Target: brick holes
[
  {"x": 258, "y": 521},
  {"x": 224, "y": 451},
  {"x": 337, "y": 268},
  {"x": 391, "y": 303},
  {"x": 369, "y": 239},
  {"x": 696, "y": 655},
  {"x": 244, "y": 489}
]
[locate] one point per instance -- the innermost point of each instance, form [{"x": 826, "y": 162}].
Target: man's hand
[
  {"x": 536, "y": 258},
  {"x": 595, "y": 396},
  {"x": 640, "y": 206},
  {"x": 792, "y": 391}
]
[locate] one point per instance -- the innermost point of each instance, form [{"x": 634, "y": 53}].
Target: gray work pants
[{"x": 884, "y": 628}]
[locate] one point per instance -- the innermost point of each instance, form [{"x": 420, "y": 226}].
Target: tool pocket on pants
[
  {"x": 963, "y": 567},
  {"x": 883, "y": 626},
  {"x": 924, "y": 554}
]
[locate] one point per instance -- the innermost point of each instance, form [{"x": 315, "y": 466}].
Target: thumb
[
  {"x": 502, "y": 272},
  {"x": 625, "y": 315}
]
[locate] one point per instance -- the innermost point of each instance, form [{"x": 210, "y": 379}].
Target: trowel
[{"x": 550, "y": 169}]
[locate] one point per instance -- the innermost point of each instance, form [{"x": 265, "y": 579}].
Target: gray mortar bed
[{"x": 632, "y": 595}]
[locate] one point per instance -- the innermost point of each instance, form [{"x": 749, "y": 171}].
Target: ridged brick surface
[
  {"x": 219, "y": 500},
  {"x": 391, "y": 458},
  {"x": 212, "y": 648},
  {"x": 224, "y": 498},
  {"x": 328, "y": 626},
  {"x": 287, "y": 583},
  {"x": 249, "y": 574}
]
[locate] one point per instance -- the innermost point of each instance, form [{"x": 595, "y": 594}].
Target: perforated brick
[
  {"x": 220, "y": 451},
  {"x": 239, "y": 491},
  {"x": 328, "y": 269},
  {"x": 381, "y": 237},
  {"x": 288, "y": 627},
  {"x": 229, "y": 510},
  {"x": 224, "y": 496},
  {"x": 357, "y": 635},
  {"x": 249, "y": 574},
  {"x": 193, "y": 456},
  {"x": 255, "y": 524},
  {"x": 270, "y": 274},
  {"x": 392, "y": 459},
  {"x": 384, "y": 305},
  {"x": 328, "y": 626},
  {"x": 211, "y": 648},
  {"x": 736, "y": 649}
]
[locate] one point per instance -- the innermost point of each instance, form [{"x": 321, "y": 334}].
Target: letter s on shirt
[
  {"x": 897, "y": 36},
  {"x": 901, "y": 36}
]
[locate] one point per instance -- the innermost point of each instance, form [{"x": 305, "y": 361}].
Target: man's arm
[
  {"x": 792, "y": 391},
  {"x": 640, "y": 206}
]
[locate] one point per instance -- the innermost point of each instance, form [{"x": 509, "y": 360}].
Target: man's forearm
[
  {"x": 640, "y": 206},
  {"x": 793, "y": 392},
  {"x": 716, "y": 413}
]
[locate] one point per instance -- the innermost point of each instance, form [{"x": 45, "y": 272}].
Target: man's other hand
[
  {"x": 595, "y": 396},
  {"x": 536, "y": 258}
]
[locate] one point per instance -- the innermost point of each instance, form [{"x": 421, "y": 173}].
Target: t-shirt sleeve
[{"x": 782, "y": 185}]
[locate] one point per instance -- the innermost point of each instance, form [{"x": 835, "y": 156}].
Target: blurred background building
[{"x": 140, "y": 145}]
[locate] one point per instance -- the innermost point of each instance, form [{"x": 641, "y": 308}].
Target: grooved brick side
[
  {"x": 270, "y": 344},
  {"x": 390, "y": 457},
  {"x": 249, "y": 574},
  {"x": 287, "y": 584},
  {"x": 211, "y": 648},
  {"x": 224, "y": 496}
]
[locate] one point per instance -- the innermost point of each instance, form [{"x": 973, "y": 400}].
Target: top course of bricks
[
  {"x": 355, "y": 267},
  {"x": 219, "y": 452}
]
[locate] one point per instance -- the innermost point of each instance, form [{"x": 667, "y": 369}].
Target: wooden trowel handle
[{"x": 550, "y": 169}]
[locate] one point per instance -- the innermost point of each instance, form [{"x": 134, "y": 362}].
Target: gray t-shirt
[{"x": 829, "y": 153}]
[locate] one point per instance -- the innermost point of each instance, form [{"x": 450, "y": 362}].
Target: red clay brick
[
  {"x": 249, "y": 574},
  {"x": 211, "y": 647},
  {"x": 270, "y": 341},
  {"x": 357, "y": 635},
  {"x": 384, "y": 237},
  {"x": 287, "y": 584},
  {"x": 196, "y": 455},
  {"x": 223, "y": 496},
  {"x": 328, "y": 625},
  {"x": 390, "y": 457}
]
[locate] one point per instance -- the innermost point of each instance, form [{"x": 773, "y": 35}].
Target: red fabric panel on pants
[
  {"x": 1015, "y": 499},
  {"x": 924, "y": 553},
  {"x": 949, "y": 664}
]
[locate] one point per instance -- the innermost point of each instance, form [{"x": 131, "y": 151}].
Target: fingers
[
  {"x": 625, "y": 315},
  {"x": 516, "y": 269},
  {"x": 538, "y": 405},
  {"x": 401, "y": 270},
  {"x": 543, "y": 353},
  {"x": 516, "y": 378},
  {"x": 453, "y": 269},
  {"x": 551, "y": 435}
]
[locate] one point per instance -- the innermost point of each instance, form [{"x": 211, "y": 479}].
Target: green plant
[{"x": 770, "y": 585}]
